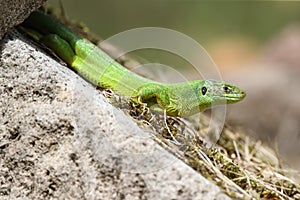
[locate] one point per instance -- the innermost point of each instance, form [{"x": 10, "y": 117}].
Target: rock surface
[
  {"x": 59, "y": 138},
  {"x": 13, "y": 12}
]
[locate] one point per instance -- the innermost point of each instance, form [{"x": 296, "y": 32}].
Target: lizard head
[{"x": 213, "y": 92}]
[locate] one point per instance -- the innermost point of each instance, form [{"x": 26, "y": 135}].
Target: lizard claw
[{"x": 137, "y": 101}]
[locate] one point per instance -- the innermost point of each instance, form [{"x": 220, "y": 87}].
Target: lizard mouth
[{"x": 234, "y": 97}]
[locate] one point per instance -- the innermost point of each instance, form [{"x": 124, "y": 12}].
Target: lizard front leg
[{"x": 153, "y": 95}]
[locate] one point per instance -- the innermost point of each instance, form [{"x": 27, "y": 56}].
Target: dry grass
[{"x": 242, "y": 167}]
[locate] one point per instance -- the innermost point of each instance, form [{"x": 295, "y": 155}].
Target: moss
[{"x": 232, "y": 164}]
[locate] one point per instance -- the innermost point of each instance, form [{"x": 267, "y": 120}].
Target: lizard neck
[{"x": 187, "y": 98}]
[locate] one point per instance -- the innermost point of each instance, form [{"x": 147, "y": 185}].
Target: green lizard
[{"x": 180, "y": 99}]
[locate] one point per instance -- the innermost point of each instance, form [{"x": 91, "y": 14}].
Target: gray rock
[
  {"x": 59, "y": 138},
  {"x": 13, "y": 12}
]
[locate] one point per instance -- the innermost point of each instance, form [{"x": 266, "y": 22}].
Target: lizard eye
[
  {"x": 226, "y": 89},
  {"x": 204, "y": 90}
]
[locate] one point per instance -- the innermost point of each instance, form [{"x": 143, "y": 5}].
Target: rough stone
[{"x": 13, "y": 12}]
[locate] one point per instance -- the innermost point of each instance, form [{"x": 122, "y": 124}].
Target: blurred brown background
[{"x": 255, "y": 45}]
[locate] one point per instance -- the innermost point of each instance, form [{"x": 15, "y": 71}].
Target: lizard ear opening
[{"x": 204, "y": 90}]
